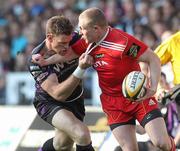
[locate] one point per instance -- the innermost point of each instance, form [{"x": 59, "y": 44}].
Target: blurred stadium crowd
[{"x": 22, "y": 24}]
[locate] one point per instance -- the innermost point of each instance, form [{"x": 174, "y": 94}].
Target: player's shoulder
[
  {"x": 117, "y": 31},
  {"x": 38, "y": 48},
  {"x": 35, "y": 50},
  {"x": 75, "y": 37},
  {"x": 117, "y": 34},
  {"x": 39, "y": 73},
  {"x": 116, "y": 37},
  {"x": 176, "y": 38},
  {"x": 176, "y": 35}
]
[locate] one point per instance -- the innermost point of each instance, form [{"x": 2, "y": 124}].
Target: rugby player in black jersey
[{"x": 59, "y": 93}]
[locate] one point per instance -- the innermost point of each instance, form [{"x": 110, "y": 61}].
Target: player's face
[
  {"x": 88, "y": 32},
  {"x": 60, "y": 44}
]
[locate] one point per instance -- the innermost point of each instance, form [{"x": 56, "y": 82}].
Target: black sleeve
[
  {"x": 40, "y": 74},
  {"x": 75, "y": 37}
]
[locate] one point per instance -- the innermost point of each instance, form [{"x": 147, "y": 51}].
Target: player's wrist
[
  {"x": 79, "y": 73},
  {"x": 45, "y": 63}
]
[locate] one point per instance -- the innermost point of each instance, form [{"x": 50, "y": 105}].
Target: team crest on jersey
[
  {"x": 99, "y": 56},
  {"x": 133, "y": 50}
]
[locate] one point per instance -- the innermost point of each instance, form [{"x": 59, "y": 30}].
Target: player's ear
[
  {"x": 49, "y": 37},
  {"x": 96, "y": 27}
]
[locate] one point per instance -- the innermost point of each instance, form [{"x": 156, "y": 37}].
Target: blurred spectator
[
  {"x": 18, "y": 41},
  {"x": 130, "y": 18},
  {"x": 2, "y": 89},
  {"x": 6, "y": 61},
  {"x": 168, "y": 11},
  {"x": 154, "y": 15},
  {"x": 143, "y": 9},
  {"x": 159, "y": 28},
  {"x": 147, "y": 35}
]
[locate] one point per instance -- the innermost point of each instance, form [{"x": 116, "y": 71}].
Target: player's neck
[{"x": 103, "y": 35}]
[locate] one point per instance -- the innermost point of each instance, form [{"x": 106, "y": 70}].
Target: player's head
[
  {"x": 58, "y": 34},
  {"x": 93, "y": 24}
]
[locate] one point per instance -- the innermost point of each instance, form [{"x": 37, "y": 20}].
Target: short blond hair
[{"x": 95, "y": 16}]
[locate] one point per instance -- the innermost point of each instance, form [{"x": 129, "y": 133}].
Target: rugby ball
[{"x": 134, "y": 85}]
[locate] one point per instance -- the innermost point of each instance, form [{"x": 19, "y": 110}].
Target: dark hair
[{"x": 59, "y": 25}]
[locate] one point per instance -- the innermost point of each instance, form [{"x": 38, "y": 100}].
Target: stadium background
[{"x": 22, "y": 27}]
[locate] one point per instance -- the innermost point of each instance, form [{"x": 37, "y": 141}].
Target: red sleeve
[
  {"x": 79, "y": 47},
  {"x": 135, "y": 47}
]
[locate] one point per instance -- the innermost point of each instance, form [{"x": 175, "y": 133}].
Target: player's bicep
[
  {"x": 150, "y": 58},
  {"x": 147, "y": 56}
]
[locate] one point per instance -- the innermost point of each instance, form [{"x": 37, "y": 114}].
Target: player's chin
[{"x": 87, "y": 40}]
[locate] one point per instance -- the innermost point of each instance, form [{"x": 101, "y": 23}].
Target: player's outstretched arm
[
  {"x": 56, "y": 58},
  {"x": 61, "y": 91}
]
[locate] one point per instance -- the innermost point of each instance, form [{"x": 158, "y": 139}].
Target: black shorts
[
  {"x": 46, "y": 109},
  {"x": 148, "y": 117}
]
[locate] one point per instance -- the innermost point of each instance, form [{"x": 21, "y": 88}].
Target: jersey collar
[{"x": 93, "y": 45}]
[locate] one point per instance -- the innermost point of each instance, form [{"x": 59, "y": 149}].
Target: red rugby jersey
[{"x": 114, "y": 58}]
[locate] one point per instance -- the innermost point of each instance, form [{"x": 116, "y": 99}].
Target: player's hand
[
  {"x": 160, "y": 94},
  {"x": 38, "y": 59},
  {"x": 147, "y": 94},
  {"x": 85, "y": 61}
]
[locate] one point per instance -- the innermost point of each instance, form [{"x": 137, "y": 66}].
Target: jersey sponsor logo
[
  {"x": 34, "y": 68},
  {"x": 42, "y": 75},
  {"x": 100, "y": 63},
  {"x": 99, "y": 56},
  {"x": 151, "y": 102},
  {"x": 133, "y": 50}
]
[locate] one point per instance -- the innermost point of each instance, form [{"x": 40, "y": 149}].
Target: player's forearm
[
  {"x": 54, "y": 59},
  {"x": 60, "y": 59},
  {"x": 62, "y": 91},
  {"x": 155, "y": 72},
  {"x": 153, "y": 62}
]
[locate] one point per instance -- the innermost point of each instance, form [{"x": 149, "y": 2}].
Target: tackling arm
[
  {"x": 61, "y": 91},
  {"x": 56, "y": 58}
]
